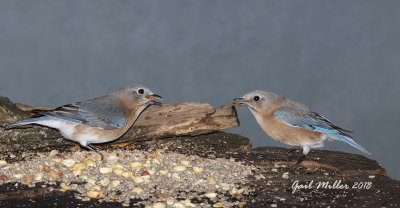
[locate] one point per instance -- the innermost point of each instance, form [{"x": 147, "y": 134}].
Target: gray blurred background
[{"x": 340, "y": 58}]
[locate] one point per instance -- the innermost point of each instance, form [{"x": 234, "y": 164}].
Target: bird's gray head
[
  {"x": 257, "y": 100},
  {"x": 141, "y": 95}
]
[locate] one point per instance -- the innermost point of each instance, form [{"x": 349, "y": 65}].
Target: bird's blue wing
[
  {"x": 305, "y": 118},
  {"x": 301, "y": 117},
  {"x": 105, "y": 112},
  {"x": 106, "y": 109}
]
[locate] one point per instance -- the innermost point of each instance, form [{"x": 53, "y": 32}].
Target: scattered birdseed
[
  {"x": 285, "y": 175},
  {"x": 152, "y": 179}
]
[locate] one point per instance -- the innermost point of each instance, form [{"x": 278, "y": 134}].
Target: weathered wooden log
[{"x": 171, "y": 119}]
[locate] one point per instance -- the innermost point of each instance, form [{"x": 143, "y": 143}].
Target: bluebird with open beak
[{"x": 292, "y": 123}]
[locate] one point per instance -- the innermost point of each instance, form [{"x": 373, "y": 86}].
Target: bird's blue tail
[
  {"x": 352, "y": 143},
  {"x": 26, "y": 122}
]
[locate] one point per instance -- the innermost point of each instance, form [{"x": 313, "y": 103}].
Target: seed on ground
[
  {"x": 179, "y": 168},
  {"x": 3, "y": 162}
]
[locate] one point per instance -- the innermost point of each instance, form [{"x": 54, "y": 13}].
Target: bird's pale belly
[{"x": 96, "y": 135}]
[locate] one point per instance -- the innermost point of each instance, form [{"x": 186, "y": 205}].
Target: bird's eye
[
  {"x": 256, "y": 98},
  {"x": 140, "y": 91}
]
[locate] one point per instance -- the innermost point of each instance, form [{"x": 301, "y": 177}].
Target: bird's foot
[
  {"x": 298, "y": 163},
  {"x": 90, "y": 147}
]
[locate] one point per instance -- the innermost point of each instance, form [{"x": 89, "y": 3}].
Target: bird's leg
[
  {"x": 306, "y": 150},
  {"x": 301, "y": 159},
  {"x": 298, "y": 163},
  {"x": 90, "y": 147},
  {"x": 291, "y": 150}
]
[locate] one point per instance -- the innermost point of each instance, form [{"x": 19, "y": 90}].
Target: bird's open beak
[
  {"x": 152, "y": 97},
  {"x": 240, "y": 101}
]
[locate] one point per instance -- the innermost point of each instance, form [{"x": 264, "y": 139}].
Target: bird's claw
[{"x": 90, "y": 147}]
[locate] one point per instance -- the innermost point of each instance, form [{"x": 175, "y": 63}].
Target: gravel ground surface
[{"x": 147, "y": 179}]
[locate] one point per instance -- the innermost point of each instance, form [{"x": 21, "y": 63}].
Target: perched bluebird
[
  {"x": 292, "y": 123},
  {"x": 97, "y": 120}
]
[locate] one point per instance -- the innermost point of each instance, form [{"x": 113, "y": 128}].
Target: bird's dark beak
[
  {"x": 239, "y": 99},
  {"x": 152, "y": 97},
  {"x": 239, "y": 102}
]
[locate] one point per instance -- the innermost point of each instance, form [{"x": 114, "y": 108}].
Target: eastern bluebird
[
  {"x": 292, "y": 123},
  {"x": 97, "y": 120}
]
